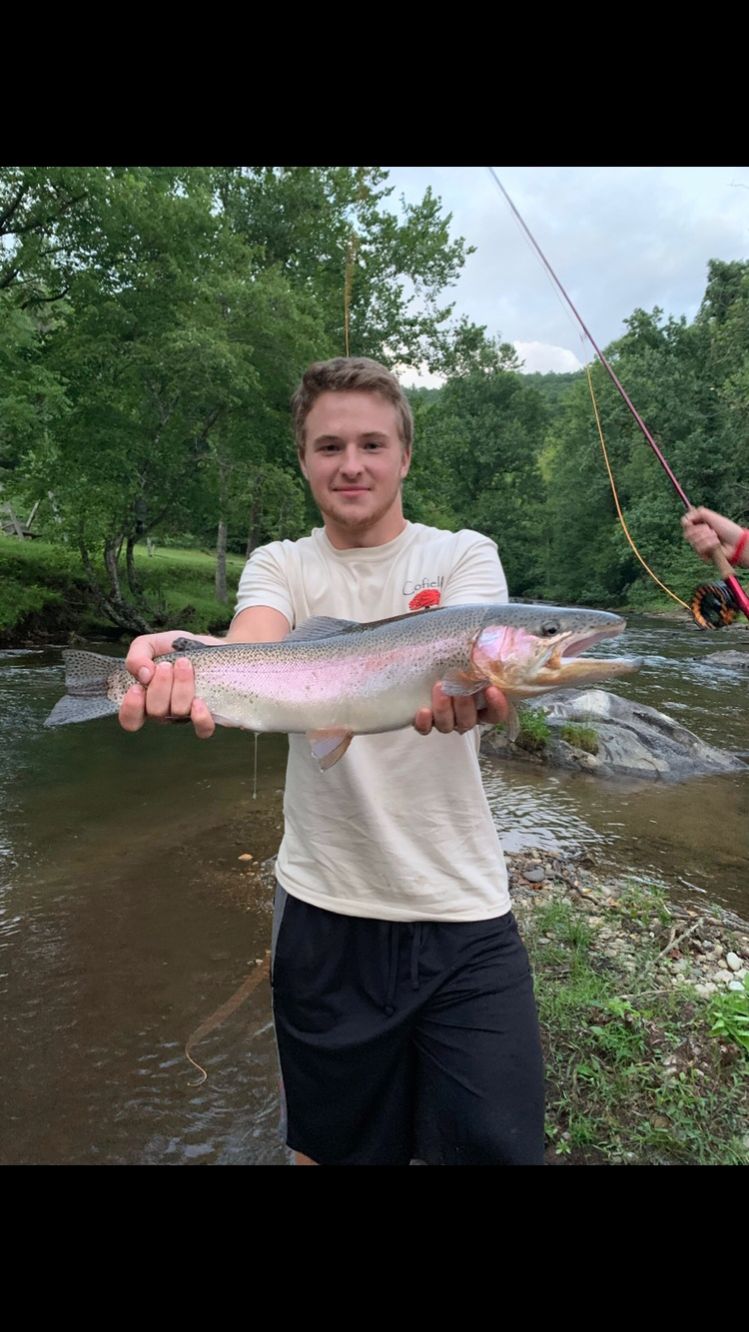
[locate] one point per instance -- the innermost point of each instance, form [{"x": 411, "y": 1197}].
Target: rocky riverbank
[
  {"x": 641, "y": 1001},
  {"x": 644, "y": 1007}
]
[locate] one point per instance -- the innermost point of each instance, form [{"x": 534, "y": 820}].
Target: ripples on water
[
  {"x": 680, "y": 833},
  {"x": 126, "y": 918}
]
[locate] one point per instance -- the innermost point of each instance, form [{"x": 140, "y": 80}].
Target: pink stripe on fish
[{"x": 295, "y": 678}]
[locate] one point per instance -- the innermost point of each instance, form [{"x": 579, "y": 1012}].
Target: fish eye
[{"x": 549, "y": 628}]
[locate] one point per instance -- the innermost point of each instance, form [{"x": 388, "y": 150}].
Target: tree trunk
[
  {"x": 133, "y": 581},
  {"x": 111, "y": 553},
  {"x": 223, "y": 485},
  {"x": 114, "y": 608},
  {"x": 256, "y": 515},
  {"x": 221, "y": 562}
]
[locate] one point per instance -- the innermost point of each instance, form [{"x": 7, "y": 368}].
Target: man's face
[{"x": 354, "y": 462}]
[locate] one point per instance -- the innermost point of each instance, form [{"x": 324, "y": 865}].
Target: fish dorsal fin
[
  {"x": 330, "y": 745},
  {"x": 185, "y": 645},
  {"x": 324, "y": 626},
  {"x": 406, "y": 615},
  {"x": 320, "y": 626}
]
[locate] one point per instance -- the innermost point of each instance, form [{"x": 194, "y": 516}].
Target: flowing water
[{"x": 127, "y": 917}]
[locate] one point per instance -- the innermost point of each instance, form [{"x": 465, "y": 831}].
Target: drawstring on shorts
[{"x": 416, "y": 931}]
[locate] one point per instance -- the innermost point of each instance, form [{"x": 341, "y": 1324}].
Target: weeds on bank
[
  {"x": 43, "y": 582},
  {"x": 636, "y": 1073},
  {"x": 582, "y": 737},
  {"x": 730, "y": 1016},
  {"x": 534, "y": 730}
]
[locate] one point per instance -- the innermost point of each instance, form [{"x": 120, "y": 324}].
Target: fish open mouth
[
  {"x": 576, "y": 644},
  {"x": 526, "y": 663},
  {"x": 566, "y": 664}
]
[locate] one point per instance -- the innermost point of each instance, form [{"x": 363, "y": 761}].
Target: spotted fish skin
[{"x": 341, "y": 678}]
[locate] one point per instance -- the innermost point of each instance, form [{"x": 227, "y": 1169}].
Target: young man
[{"x": 403, "y": 1000}]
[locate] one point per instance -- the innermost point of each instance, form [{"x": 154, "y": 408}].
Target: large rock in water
[{"x": 633, "y": 740}]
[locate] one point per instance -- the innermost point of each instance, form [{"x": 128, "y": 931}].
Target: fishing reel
[{"x": 713, "y": 605}]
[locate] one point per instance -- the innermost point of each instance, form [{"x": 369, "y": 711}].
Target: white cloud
[
  {"x": 543, "y": 357},
  {"x": 618, "y": 237},
  {"x": 421, "y": 378}
]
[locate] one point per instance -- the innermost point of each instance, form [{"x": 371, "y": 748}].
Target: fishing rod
[{"x": 713, "y": 604}]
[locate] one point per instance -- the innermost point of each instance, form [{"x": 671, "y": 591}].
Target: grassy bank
[
  {"x": 645, "y": 1024},
  {"x": 644, "y": 1020},
  {"x": 43, "y": 593}
]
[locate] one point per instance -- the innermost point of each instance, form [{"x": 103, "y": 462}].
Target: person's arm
[
  {"x": 168, "y": 690},
  {"x": 707, "y": 531},
  {"x": 478, "y": 577}
]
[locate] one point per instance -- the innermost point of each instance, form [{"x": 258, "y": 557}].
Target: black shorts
[{"x": 403, "y": 1040}]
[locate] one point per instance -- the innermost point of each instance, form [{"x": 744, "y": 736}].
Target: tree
[
  {"x": 159, "y": 317},
  {"x": 662, "y": 366},
  {"x": 476, "y": 461},
  {"x": 330, "y": 231}
]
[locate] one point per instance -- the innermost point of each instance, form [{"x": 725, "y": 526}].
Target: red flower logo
[{"x": 429, "y": 596}]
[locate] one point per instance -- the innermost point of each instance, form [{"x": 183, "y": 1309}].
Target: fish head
[{"x": 527, "y": 650}]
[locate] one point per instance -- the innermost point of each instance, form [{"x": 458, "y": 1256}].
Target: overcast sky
[{"x": 618, "y": 238}]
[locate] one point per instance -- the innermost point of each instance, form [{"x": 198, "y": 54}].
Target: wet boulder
[{"x": 602, "y": 733}]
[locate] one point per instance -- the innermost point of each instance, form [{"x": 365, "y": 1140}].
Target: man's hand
[
  {"x": 461, "y": 714},
  {"x": 166, "y": 690},
  {"x": 706, "y": 531}
]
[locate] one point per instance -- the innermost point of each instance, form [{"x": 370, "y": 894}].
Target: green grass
[
  {"x": 43, "y": 589},
  {"x": 534, "y": 730},
  {"x": 729, "y": 1014},
  {"x": 179, "y": 584},
  {"x": 582, "y": 737},
  {"x": 176, "y": 557},
  {"x": 41, "y": 558},
  {"x": 35, "y": 579},
  {"x": 642, "y": 905},
  {"x": 635, "y": 1073}
]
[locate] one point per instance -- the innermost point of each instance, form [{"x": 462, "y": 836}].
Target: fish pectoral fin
[
  {"x": 457, "y": 684},
  {"x": 330, "y": 745},
  {"x": 320, "y": 626},
  {"x": 513, "y": 721}
]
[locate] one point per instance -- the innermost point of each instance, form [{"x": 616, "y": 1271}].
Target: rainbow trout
[{"x": 334, "y": 679}]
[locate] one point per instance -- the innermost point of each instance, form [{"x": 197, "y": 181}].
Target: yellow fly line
[{"x": 616, "y": 499}]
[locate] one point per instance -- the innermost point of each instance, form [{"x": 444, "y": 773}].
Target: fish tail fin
[{"x": 87, "y": 680}]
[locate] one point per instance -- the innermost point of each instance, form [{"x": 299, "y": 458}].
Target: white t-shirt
[{"x": 399, "y": 828}]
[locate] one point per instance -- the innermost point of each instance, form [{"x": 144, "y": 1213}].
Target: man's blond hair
[{"x": 350, "y": 374}]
